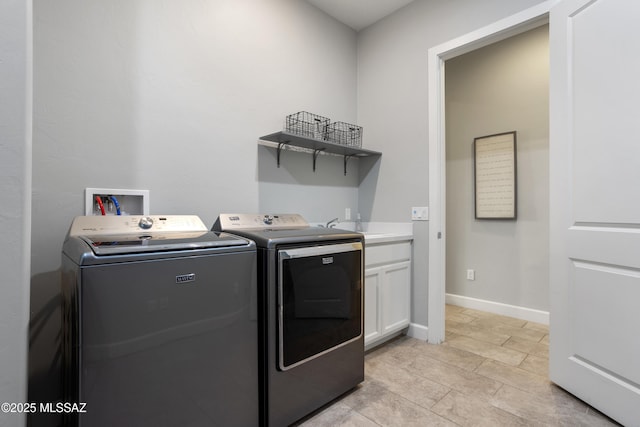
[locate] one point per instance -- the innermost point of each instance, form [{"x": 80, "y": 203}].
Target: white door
[{"x": 595, "y": 203}]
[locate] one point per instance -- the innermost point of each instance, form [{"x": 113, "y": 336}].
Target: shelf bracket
[
  {"x": 346, "y": 159},
  {"x": 316, "y": 152},
  {"x": 280, "y": 145}
]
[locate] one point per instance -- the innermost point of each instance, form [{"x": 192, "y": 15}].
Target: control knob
[
  {"x": 146, "y": 222},
  {"x": 268, "y": 219}
]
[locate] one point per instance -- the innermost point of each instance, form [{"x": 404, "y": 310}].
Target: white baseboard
[
  {"x": 523, "y": 313},
  {"x": 418, "y": 331}
]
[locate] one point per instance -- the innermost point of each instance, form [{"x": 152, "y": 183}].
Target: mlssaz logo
[{"x": 183, "y": 278}]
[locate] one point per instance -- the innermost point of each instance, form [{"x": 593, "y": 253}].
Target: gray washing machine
[{"x": 159, "y": 323}]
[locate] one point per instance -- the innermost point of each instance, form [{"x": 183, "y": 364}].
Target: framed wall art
[{"x": 494, "y": 160}]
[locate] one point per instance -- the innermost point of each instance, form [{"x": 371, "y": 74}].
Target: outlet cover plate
[{"x": 420, "y": 213}]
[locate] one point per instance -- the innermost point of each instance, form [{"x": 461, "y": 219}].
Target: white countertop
[
  {"x": 373, "y": 237},
  {"x": 381, "y": 232}
]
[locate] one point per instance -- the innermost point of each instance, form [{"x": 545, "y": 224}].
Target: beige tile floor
[{"x": 491, "y": 371}]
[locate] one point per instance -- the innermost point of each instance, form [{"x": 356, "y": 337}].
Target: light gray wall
[
  {"x": 15, "y": 214},
  {"x": 500, "y": 88},
  {"x": 172, "y": 97},
  {"x": 393, "y": 109}
]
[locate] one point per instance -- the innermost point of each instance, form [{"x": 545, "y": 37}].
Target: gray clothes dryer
[
  {"x": 159, "y": 323},
  {"x": 310, "y": 298}
]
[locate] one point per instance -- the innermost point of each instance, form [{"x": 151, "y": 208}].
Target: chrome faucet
[{"x": 332, "y": 223}]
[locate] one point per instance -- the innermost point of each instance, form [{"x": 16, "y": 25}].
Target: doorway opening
[
  {"x": 499, "y": 265},
  {"x": 527, "y": 20}
]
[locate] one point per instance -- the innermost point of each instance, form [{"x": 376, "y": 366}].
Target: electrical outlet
[
  {"x": 347, "y": 214},
  {"x": 471, "y": 274},
  {"x": 420, "y": 213}
]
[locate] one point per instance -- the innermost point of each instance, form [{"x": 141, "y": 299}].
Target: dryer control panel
[{"x": 230, "y": 222}]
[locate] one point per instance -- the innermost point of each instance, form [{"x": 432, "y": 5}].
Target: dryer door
[{"x": 319, "y": 300}]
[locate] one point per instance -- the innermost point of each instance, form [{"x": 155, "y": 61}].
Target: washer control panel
[
  {"x": 134, "y": 224},
  {"x": 228, "y": 222}
]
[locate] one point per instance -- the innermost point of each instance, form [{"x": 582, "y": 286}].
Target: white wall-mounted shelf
[{"x": 316, "y": 146}]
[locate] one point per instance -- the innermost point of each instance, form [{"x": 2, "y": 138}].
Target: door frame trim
[{"x": 513, "y": 25}]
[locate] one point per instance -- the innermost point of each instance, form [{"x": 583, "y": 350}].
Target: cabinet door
[
  {"x": 395, "y": 295},
  {"x": 372, "y": 278}
]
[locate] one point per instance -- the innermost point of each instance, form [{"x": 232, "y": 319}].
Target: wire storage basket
[
  {"x": 345, "y": 134},
  {"x": 307, "y": 124}
]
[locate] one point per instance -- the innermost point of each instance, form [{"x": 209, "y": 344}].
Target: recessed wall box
[{"x": 128, "y": 202}]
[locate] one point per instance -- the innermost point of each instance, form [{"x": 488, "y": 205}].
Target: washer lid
[{"x": 118, "y": 244}]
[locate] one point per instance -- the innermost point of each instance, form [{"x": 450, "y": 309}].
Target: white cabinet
[{"x": 387, "y": 290}]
